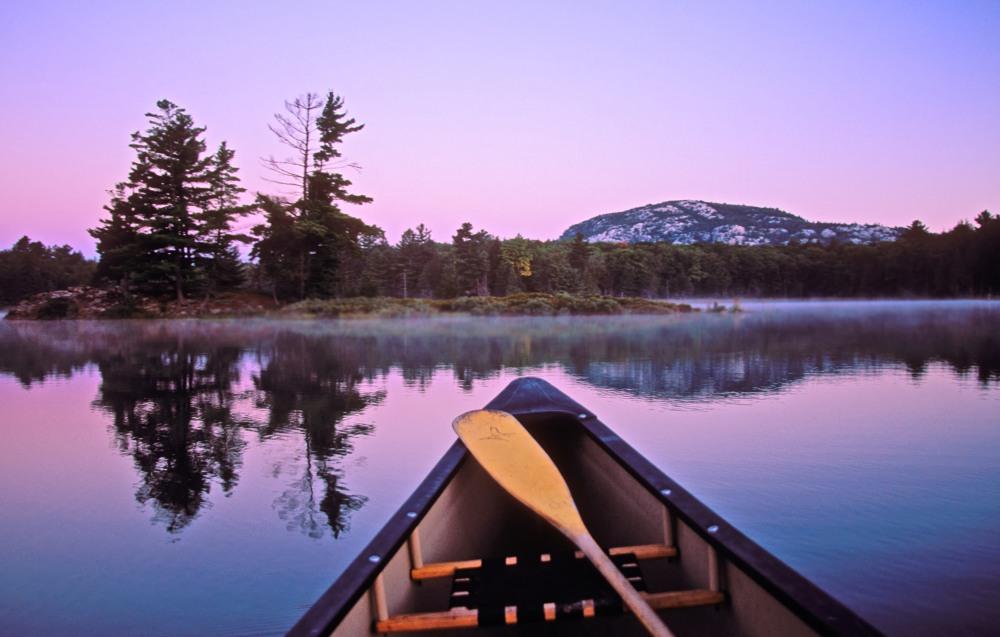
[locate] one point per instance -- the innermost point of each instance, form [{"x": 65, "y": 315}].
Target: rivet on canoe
[
  {"x": 582, "y": 416},
  {"x": 374, "y": 559},
  {"x": 411, "y": 514},
  {"x": 713, "y": 528},
  {"x": 666, "y": 491}
]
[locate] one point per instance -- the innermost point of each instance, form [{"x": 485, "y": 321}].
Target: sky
[{"x": 521, "y": 117}]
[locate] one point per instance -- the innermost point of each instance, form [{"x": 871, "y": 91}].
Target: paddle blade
[{"x": 519, "y": 464}]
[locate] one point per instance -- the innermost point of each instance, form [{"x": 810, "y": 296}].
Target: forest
[
  {"x": 170, "y": 230},
  {"x": 28, "y": 267}
]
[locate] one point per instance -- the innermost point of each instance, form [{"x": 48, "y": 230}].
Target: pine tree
[
  {"x": 471, "y": 261},
  {"x": 120, "y": 245},
  {"x": 333, "y": 124},
  {"x": 416, "y": 249},
  {"x": 169, "y": 224},
  {"x": 915, "y": 231},
  {"x": 173, "y": 178},
  {"x": 277, "y": 248},
  {"x": 324, "y": 238},
  {"x": 223, "y": 268},
  {"x": 327, "y": 186},
  {"x": 579, "y": 252}
]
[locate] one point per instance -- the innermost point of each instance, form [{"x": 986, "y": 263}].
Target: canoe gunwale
[{"x": 533, "y": 398}]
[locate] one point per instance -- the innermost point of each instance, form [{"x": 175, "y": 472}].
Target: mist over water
[{"x": 215, "y": 476}]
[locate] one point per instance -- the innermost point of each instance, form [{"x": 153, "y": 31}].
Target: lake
[{"x": 214, "y": 477}]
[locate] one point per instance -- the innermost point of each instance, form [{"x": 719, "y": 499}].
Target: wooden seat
[
  {"x": 538, "y": 588},
  {"x": 534, "y": 587}
]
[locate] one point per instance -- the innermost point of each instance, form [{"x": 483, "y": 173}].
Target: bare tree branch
[{"x": 295, "y": 130}]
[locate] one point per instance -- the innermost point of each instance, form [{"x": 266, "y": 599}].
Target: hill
[{"x": 689, "y": 222}]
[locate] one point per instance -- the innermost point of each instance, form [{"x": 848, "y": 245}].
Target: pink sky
[{"x": 520, "y": 118}]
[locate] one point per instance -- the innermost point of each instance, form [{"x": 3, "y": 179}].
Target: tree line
[
  {"x": 172, "y": 229},
  {"x": 960, "y": 262},
  {"x": 29, "y": 267}
]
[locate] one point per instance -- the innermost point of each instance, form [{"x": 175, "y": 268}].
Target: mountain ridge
[{"x": 690, "y": 221}]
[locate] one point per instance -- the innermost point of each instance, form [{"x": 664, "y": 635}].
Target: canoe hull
[{"x": 459, "y": 513}]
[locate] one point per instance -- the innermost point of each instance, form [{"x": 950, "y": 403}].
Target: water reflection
[
  {"x": 170, "y": 400},
  {"x": 183, "y": 396},
  {"x": 177, "y": 407},
  {"x": 311, "y": 386},
  {"x": 758, "y": 353}
]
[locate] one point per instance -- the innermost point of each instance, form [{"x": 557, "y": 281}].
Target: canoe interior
[{"x": 473, "y": 518}]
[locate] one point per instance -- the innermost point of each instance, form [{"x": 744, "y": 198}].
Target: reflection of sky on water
[
  {"x": 882, "y": 488},
  {"x": 214, "y": 477}
]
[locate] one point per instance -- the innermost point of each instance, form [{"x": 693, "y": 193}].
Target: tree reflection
[
  {"x": 176, "y": 408},
  {"x": 171, "y": 411},
  {"x": 732, "y": 355},
  {"x": 311, "y": 385}
]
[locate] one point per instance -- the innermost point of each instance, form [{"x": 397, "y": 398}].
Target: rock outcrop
[
  {"x": 689, "y": 222},
  {"x": 87, "y": 302}
]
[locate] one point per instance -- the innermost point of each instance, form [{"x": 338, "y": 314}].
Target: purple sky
[{"x": 522, "y": 118}]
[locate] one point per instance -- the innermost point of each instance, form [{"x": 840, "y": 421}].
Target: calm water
[{"x": 173, "y": 478}]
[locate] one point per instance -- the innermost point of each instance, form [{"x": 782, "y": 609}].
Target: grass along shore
[
  {"x": 528, "y": 304},
  {"x": 95, "y": 303}
]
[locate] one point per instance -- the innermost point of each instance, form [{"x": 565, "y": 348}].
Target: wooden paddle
[{"x": 519, "y": 464}]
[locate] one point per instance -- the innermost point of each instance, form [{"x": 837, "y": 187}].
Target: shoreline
[{"x": 86, "y": 303}]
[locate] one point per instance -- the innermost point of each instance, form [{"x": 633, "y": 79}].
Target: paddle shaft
[{"x": 622, "y": 586}]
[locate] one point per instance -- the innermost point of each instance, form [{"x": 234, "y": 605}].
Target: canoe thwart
[
  {"x": 447, "y": 569},
  {"x": 528, "y": 583},
  {"x": 542, "y": 588},
  {"x": 469, "y": 617}
]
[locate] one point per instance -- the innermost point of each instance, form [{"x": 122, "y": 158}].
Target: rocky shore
[{"x": 87, "y": 302}]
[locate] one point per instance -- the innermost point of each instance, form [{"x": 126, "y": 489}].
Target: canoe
[{"x": 462, "y": 556}]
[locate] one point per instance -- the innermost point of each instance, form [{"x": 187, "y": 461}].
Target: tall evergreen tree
[
  {"x": 278, "y": 249},
  {"x": 324, "y": 238},
  {"x": 915, "y": 231},
  {"x": 173, "y": 175},
  {"x": 120, "y": 244},
  {"x": 333, "y": 125},
  {"x": 224, "y": 269},
  {"x": 416, "y": 249},
  {"x": 169, "y": 224},
  {"x": 471, "y": 260}
]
